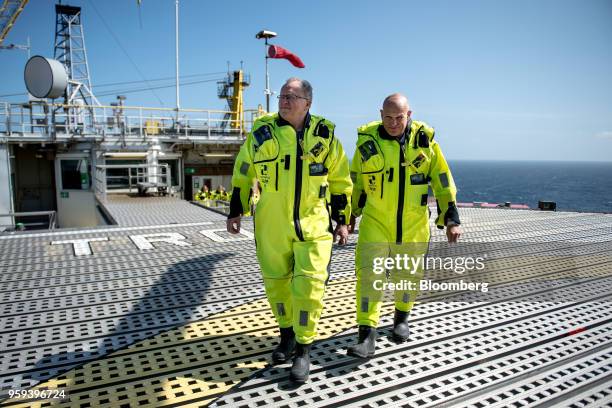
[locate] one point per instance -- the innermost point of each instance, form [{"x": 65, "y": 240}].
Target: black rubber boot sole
[
  {"x": 399, "y": 339},
  {"x": 366, "y": 346},
  {"x": 286, "y": 346},
  {"x": 356, "y": 353},
  {"x": 298, "y": 380},
  {"x": 283, "y": 360},
  {"x": 400, "y": 319},
  {"x": 300, "y": 370}
]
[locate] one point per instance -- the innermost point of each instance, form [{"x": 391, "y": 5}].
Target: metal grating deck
[
  {"x": 136, "y": 321},
  {"x": 132, "y": 209}
]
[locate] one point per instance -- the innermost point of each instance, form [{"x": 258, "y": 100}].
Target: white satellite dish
[{"x": 45, "y": 77}]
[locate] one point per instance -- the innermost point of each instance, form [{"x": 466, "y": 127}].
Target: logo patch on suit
[
  {"x": 372, "y": 183},
  {"x": 418, "y": 178},
  {"x": 265, "y": 176},
  {"x": 367, "y": 150},
  {"x": 418, "y": 160},
  {"x": 322, "y": 130},
  {"x": 317, "y": 169},
  {"x": 262, "y": 134},
  {"x": 317, "y": 149}
]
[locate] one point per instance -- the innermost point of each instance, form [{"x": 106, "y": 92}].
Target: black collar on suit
[
  {"x": 384, "y": 135},
  {"x": 282, "y": 122}
]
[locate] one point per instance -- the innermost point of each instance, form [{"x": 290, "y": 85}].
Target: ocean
[{"x": 574, "y": 186}]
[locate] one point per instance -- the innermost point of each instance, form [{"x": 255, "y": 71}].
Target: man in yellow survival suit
[
  {"x": 395, "y": 161},
  {"x": 303, "y": 173}
]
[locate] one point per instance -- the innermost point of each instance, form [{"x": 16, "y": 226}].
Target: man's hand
[
  {"x": 453, "y": 232},
  {"x": 342, "y": 232},
  {"x": 351, "y": 226},
  {"x": 233, "y": 225}
]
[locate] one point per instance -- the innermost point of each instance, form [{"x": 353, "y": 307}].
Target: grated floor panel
[
  {"x": 150, "y": 313},
  {"x": 132, "y": 209}
]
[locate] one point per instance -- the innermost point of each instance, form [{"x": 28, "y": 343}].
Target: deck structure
[{"x": 166, "y": 309}]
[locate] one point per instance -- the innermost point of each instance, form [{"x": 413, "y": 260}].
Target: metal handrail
[
  {"x": 51, "y": 214},
  {"x": 101, "y": 185},
  {"x": 51, "y": 120}
]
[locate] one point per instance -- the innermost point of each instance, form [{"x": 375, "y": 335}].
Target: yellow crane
[{"x": 231, "y": 89}]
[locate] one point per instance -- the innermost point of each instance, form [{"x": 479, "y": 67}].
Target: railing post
[
  {"x": 8, "y": 118},
  {"x": 31, "y": 120},
  {"x": 52, "y": 220},
  {"x": 104, "y": 121},
  {"x": 208, "y": 123},
  {"x": 69, "y": 125},
  {"x": 105, "y": 185},
  {"x": 53, "y": 127},
  {"x": 140, "y": 120},
  {"x": 47, "y": 120}
]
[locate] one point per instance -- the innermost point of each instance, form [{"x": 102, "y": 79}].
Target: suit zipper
[
  {"x": 382, "y": 184},
  {"x": 400, "y": 199},
  {"x": 276, "y": 179},
  {"x": 298, "y": 186}
]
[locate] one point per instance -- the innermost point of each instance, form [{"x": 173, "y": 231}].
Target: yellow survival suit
[
  {"x": 391, "y": 179},
  {"x": 305, "y": 183}
]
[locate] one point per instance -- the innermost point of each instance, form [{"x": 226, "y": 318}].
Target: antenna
[
  {"x": 266, "y": 34},
  {"x": 71, "y": 52}
]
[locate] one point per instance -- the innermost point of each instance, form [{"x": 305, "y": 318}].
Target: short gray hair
[{"x": 304, "y": 84}]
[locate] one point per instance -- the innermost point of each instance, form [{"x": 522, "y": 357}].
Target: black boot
[
  {"x": 283, "y": 352},
  {"x": 366, "y": 345},
  {"x": 400, "y": 326},
  {"x": 301, "y": 364}
]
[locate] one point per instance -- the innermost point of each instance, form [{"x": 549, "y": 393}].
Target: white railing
[
  {"x": 140, "y": 177},
  {"x": 57, "y": 121},
  {"x": 39, "y": 214},
  {"x": 219, "y": 206}
]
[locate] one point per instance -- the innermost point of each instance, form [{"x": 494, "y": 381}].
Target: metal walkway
[
  {"x": 127, "y": 210},
  {"x": 176, "y": 316}
]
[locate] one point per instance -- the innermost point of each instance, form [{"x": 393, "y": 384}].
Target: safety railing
[
  {"x": 20, "y": 226},
  {"x": 56, "y": 121},
  {"x": 140, "y": 177},
  {"x": 219, "y": 206}
]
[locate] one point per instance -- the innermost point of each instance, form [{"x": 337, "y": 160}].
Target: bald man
[{"x": 395, "y": 162}]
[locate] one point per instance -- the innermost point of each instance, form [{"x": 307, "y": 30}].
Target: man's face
[
  {"x": 395, "y": 118},
  {"x": 292, "y": 103}
]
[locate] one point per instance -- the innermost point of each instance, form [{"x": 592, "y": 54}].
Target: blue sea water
[{"x": 574, "y": 186}]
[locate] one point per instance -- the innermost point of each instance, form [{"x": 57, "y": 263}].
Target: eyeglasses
[{"x": 290, "y": 97}]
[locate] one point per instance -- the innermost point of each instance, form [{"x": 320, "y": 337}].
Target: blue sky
[{"x": 513, "y": 80}]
